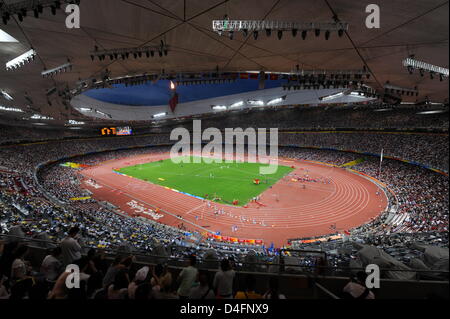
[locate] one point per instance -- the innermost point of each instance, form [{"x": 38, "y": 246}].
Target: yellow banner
[
  {"x": 353, "y": 163},
  {"x": 80, "y": 198}
]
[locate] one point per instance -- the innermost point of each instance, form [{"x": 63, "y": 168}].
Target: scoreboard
[{"x": 118, "y": 131}]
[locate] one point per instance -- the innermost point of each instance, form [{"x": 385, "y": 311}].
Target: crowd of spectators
[{"x": 422, "y": 197}]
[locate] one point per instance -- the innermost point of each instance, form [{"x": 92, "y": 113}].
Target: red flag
[
  {"x": 244, "y": 76},
  {"x": 173, "y": 102}
]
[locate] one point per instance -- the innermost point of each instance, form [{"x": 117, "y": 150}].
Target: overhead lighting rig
[
  {"x": 21, "y": 60},
  {"x": 400, "y": 91},
  {"x": 256, "y": 26},
  {"x": 60, "y": 69},
  {"x": 325, "y": 79},
  {"x": 126, "y": 53},
  {"x": 412, "y": 64},
  {"x": 21, "y": 9}
]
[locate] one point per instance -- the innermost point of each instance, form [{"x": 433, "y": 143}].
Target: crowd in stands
[
  {"x": 331, "y": 118},
  {"x": 119, "y": 277},
  {"x": 422, "y": 197}
]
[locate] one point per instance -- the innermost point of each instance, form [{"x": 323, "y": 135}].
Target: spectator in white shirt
[
  {"x": 19, "y": 268},
  {"x": 223, "y": 281},
  {"x": 51, "y": 266},
  {"x": 187, "y": 278},
  {"x": 70, "y": 248}
]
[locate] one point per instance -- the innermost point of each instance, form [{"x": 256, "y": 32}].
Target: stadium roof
[{"x": 407, "y": 27}]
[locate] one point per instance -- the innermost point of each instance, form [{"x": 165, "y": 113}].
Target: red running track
[{"x": 288, "y": 210}]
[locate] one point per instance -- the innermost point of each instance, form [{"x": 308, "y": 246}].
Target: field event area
[{"x": 237, "y": 182}]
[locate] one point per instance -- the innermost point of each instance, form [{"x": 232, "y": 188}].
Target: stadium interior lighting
[
  {"x": 400, "y": 90},
  {"x": 125, "y": 53},
  {"x": 10, "y": 109},
  {"x": 21, "y": 8},
  {"x": 255, "y": 26},
  {"x": 6, "y": 95},
  {"x": 411, "y": 63},
  {"x": 237, "y": 104},
  {"x": 383, "y": 110},
  {"x": 41, "y": 117},
  {"x": 62, "y": 68},
  {"x": 276, "y": 101},
  {"x": 332, "y": 96},
  {"x": 6, "y": 38},
  {"x": 358, "y": 95},
  {"x": 73, "y": 122},
  {"x": 172, "y": 86},
  {"x": 159, "y": 115},
  {"x": 39, "y": 124},
  {"x": 255, "y": 102},
  {"x": 85, "y": 109},
  {"x": 219, "y": 107},
  {"x": 432, "y": 112},
  {"x": 21, "y": 60}
]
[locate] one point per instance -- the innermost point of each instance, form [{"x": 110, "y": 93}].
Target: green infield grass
[{"x": 221, "y": 181}]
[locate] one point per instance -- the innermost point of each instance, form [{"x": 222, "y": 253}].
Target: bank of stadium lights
[
  {"x": 392, "y": 89},
  {"x": 95, "y": 111},
  {"x": 332, "y": 96},
  {"x": 41, "y": 117},
  {"x": 59, "y": 69},
  {"x": 255, "y": 102},
  {"x": 10, "y": 109},
  {"x": 276, "y": 101},
  {"x": 237, "y": 104},
  {"x": 219, "y": 108},
  {"x": 256, "y": 26},
  {"x": 6, "y": 95},
  {"x": 73, "y": 122},
  {"x": 22, "y": 8},
  {"x": 126, "y": 53},
  {"x": 21, "y": 60},
  {"x": 412, "y": 64},
  {"x": 159, "y": 115}
]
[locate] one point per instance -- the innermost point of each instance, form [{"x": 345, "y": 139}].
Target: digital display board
[{"x": 118, "y": 131}]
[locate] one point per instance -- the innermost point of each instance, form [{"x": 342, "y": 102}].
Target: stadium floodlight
[
  {"x": 125, "y": 53},
  {"x": 21, "y": 8},
  {"x": 73, "y": 122},
  {"x": 276, "y": 101},
  {"x": 41, "y": 117},
  {"x": 412, "y": 63},
  {"x": 21, "y": 60},
  {"x": 6, "y": 95},
  {"x": 400, "y": 90},
  {"x": 332, "y": 96},
  {"x": 85, "y": 109},
  {"x": 59, "y": 69},
  {"x": 360, "y": 95},
  {"x": 219, "y": 107},
  {"x": 246, "y": 26},
  {"x": 10, "y": 109},
  {"x": 432, "y": 112},
  {"x": 255, "y": 102},
  {"x": 237, "y": 104},
  {"x": 159, "y": 115},
  {"x": 6, "y": 38}
]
